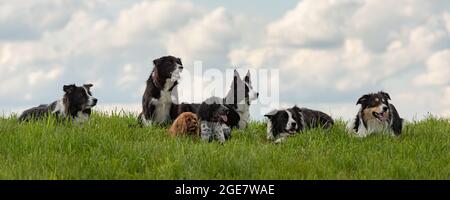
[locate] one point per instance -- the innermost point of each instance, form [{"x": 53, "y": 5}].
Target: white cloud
[
  {"x": 204, "y": 38},
  {"x": 38, "y": 76},
  {"x": 312, "y": 23},
  {"x": 128, "y": 76},
  {"x": 438, "y": 70}
]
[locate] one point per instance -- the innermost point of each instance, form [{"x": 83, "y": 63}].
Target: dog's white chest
[
  {"x": 244, "y": 115},
  {"x": 163, "y": 105},
  {"x": 373, "y": 126},
  {"x": 81, "y": 117}
]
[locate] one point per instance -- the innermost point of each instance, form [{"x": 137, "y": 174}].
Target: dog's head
[
  {"x": 79, "y": 98},
  {"x": 189, "y": 122},
  {"x": 242, "y": 90},
  {"x": 213, "y": 110},
  {"x": 375, "y": 106},
  {"x": 282, "y": 121},
  {"x": 168, "y": 67}
]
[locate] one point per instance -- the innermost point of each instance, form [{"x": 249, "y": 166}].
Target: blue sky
[{"x": 328, "y": 52}]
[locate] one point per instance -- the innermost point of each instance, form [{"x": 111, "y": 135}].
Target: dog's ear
[
  {"x": 247, "y": 77},
  {"x": 69, "y": 88},
  {"x": 88, "y": 86},
  {"x": 183, "y": 125},
  {"x": 271, "y": 114},
  {"x": 296, "y": 109},
  {"x": 362, "y": 99},
  {"x": 236, "y": 73},
  {"x": 386, "y": 95},
  {"x": 156, "y": 62}
]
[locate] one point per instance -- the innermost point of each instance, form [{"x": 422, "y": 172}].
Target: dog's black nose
[
  {"x": 293, "y": 124},
  {"x": 257, "y": 94},
  {"x": 385, "y": 109},
  {"x": 95, "y": 100}
]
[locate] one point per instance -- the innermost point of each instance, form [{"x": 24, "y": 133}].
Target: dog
[
  {"x": 237, "y": 100},
  {"x": 185, "y": 124},
  {"x": 76, "y": 104},
  {"x": 239, "y": 97},
  {"x": 376, "y": 115},
  {"x": 232, "y": 116},
  {"x": 157, "y": 99},
  {"x": 213, "y": 118},
  {"x": 285, "y": 122}
]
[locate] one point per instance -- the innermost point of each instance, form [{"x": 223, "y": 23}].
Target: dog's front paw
[{"x": 279, "y": 140}]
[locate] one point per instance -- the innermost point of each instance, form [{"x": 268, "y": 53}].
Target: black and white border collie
[
  {"x": 376, "y": 115},
  {"x": 157, "y": 98},
  {"x": 76, "y": 104},
  {"x": 238, "y": 101},
  {"x": 285, "y": 122},
  {"x": 239, "y": 97}
]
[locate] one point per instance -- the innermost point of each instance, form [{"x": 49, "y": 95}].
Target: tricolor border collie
[
  {"x": 76, "y": 104},
  {"x": 376, "y": 115},
  {"x": 238, "y": 100},
  {"x": 157, "y": 98},
  {"x": 286, "y": 122}
]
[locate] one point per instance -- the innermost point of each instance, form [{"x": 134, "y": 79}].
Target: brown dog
[{"x": 185, "y": 124}]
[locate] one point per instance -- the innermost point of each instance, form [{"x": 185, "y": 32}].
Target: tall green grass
[{"x": 107, "y": 147}]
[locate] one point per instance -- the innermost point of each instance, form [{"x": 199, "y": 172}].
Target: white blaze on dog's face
[
  {"x": 91, "y": 101},
  {"x": 280, "y": 121},
  {"x": 375, "y": 106},
  {"x": 291, "y": 124},
  {"x": 176, "y": 73},
  {"x": 79, "y": 97}
]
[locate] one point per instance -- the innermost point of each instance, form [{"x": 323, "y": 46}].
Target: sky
[{"x": 328, "y": 52}]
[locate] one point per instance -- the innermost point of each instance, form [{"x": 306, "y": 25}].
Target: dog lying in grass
[
  {"x": 376, "y": 115},
  {"x": 213, "y": 118},
  {"x": 285, "y": 122},
  {"x": 185, "y": 124},
  {"x": 76, "y": 104}
]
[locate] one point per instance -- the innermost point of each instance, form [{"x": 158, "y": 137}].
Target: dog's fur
[
  {"x": 237, "y": 100},
  {"x": 213, "y": 118},
  {"x": 376, "y": 115},
  {"x": 157, "y": 98},
  {"x": 185, "y": 124},
  {"x": 285, "y": 122},
  {"x": 76, "y": 104},
  {"x": 232, "y": 115},
  {"x": 239, "y": 97}
]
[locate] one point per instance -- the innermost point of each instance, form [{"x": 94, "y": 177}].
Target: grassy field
[{"x": 106, "y": 148}]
